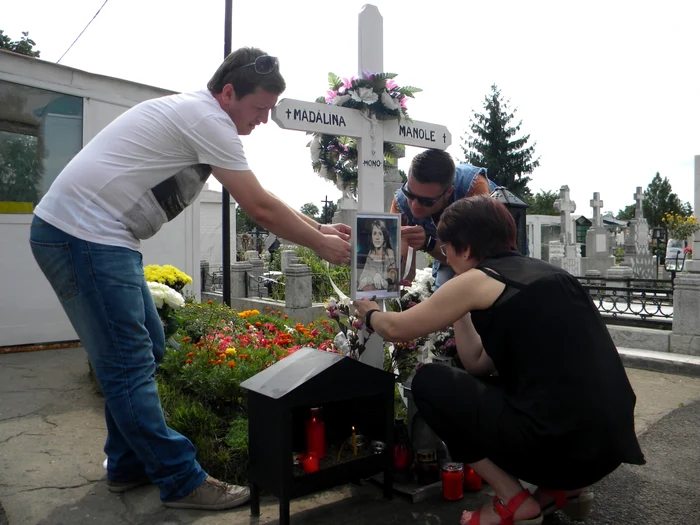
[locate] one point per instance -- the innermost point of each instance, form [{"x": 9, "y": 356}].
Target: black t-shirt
[{"x": 556, "y": 359}]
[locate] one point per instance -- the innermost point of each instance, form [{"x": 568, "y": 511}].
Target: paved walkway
[{"x": 52, "y": 433}]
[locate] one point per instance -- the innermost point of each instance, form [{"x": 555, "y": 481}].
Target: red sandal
[
  {"x": 507, "y": 510},
  {"x": 577, "y": 507}
]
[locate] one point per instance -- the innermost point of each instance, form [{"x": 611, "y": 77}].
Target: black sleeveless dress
[{"x": 557, "y": 363}]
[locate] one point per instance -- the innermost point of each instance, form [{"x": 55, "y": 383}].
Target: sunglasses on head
[
  {"x": 264, "y": 64},
  {"x": 423, "y": 201}
]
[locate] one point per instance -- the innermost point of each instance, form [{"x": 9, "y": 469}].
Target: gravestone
[
  {"x": 571, "y": 260},
  {"x": 637, "y": 254},
  {"x": 685, "y": 336},
  {"x": 370, "y": 134},
  {"x": 598, "y": 248}
]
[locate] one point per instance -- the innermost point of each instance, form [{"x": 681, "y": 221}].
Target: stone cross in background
[
  {"x": 597, "y": 204},
  {"x": 565, "y": 206},
  {"x": 638, "y": 198}
]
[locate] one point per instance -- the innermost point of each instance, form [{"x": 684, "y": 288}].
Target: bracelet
[
  {"x": 368, "y": 319},
  {"x": 430, "y": 243}
]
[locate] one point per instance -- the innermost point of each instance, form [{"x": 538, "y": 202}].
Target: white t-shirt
[{"x": 142, "y": 170}]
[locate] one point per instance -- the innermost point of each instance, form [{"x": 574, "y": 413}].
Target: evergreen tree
[{"x": 492, "y": 144}]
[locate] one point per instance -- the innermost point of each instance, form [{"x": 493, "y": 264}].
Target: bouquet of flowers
[
  {"x": 335, "y": 158},
  {"x": 167, "y": 274}
]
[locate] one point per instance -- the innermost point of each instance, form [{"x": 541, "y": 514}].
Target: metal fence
[{"x": 646, "y": 303}]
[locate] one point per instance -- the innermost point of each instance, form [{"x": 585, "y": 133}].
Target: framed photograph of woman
[{"x": 375, "y": 266}]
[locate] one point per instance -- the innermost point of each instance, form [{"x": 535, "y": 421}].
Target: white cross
[
  {"x": 638, "y": 197},
  {"x": 371, "y": 134},
  {"x": 565, "y": 206},
  {"x": 597, "y": 204}
]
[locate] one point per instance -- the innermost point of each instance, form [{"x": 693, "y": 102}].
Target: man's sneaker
[
  {"x": 119, "y": 486},
  {"x": 212, "y": 495}
]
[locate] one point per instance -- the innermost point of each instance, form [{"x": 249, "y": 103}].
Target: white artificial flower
[
  {"x": 340, "y": 100},
  {"x": 341, "y": 343},
  {"x": 389, "y": 101},
  {"x": 163, "y": 294},
  {"x": 332, "y": 302},
  {"x": 290, "y": 329},
  {"x": 315, "y": 148},
  {"x": 366, "y": 95}
]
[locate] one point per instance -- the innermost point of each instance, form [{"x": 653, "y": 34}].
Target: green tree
[
  {"x": 492, "y": 144},
  {"x": 542, "y": 203},
  {"x": 659, "y": 199},
  {"x": 310, "y": 210},
  {"x": 23, "y": 46},
  {"x": 244, "y": 223},
  {"x": 627, "y": 214}
]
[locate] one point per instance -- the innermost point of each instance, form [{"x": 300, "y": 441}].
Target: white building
[
  {"x": 47, "y": 113},
  {"x": 210, "y": 241}
]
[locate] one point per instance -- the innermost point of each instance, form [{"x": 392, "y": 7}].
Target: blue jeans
[{"x": 104, "y": 293}]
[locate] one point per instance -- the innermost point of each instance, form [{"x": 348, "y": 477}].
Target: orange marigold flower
[
  {"x": 190, "y": 354},
  {"x": 279, "y": 313},
  {"x": 186, "y": 339},
  {"x": 286, "y": 317},
  {"x": 188, "y": 362},
  {"x": 258, "y": 324},
  {"x": 210, "y": 301},
  {"x": 231, "y": 364}
]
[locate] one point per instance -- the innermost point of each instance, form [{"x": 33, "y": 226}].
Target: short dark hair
[
  {"x": 433, "y": 166},
  {"x": 244, "y": 79},
  {"x": 479, "y": 223}
]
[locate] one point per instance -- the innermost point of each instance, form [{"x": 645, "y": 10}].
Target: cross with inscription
[
  {"x": 371, "y": 133},
  {"x": 638, "y": 198},
  {"x": 565, "y": 206},
  {"x": 597, "y": 204}
]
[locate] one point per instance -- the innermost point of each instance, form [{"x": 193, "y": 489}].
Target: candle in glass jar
[
  {"x": 354, "y": 442},
  {"x": 316, "y": 434},
  {"x": 309, "y": 462},
  {"x": 472, "y": 480},
  {"x": 452, "y": 481}
]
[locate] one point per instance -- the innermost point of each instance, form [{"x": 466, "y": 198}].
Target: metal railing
[{"x": 646, "y": 303}]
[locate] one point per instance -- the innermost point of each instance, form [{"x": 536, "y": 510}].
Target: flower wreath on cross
[{"x": 335, "y": 158}]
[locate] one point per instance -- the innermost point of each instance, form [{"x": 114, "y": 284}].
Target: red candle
[
  {"x": 316, "y": 434},
  {"x": 309, "y": 463},
  {"x": 452, "y": 481},
  {"x": 472, "y": 480},
  {"x": 401, "y": 457}
]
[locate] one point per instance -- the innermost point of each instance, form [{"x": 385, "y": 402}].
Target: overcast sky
[{"x": 607, "y": 89}]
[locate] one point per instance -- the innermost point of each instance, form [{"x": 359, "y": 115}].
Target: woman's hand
[{"x": 362, "y": 306}]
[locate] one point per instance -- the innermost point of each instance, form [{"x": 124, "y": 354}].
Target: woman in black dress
[{"x": 560, "y": 412}]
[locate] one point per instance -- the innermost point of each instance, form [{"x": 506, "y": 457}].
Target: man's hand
[
  {"x": 413, "y": 236},
  {"x": 334, "y": 250},
  {"x": 341, "y": 230},
  {"x": 362, "y": 306}
]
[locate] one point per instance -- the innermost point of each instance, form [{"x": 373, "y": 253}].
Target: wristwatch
[{"x": 368, "y": 319}]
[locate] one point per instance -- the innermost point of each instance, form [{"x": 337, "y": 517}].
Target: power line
[{"x": 81, "y": 33}]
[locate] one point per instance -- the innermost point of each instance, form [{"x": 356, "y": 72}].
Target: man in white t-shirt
[{"x": 137, "y": 174}]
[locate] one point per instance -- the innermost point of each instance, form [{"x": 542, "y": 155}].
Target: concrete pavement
[{"x": 52, "y": 433}]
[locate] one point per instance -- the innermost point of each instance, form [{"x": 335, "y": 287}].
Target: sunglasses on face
[
  {"x": 423, "y": 201},
  {"x": 264, "y": 64}
]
